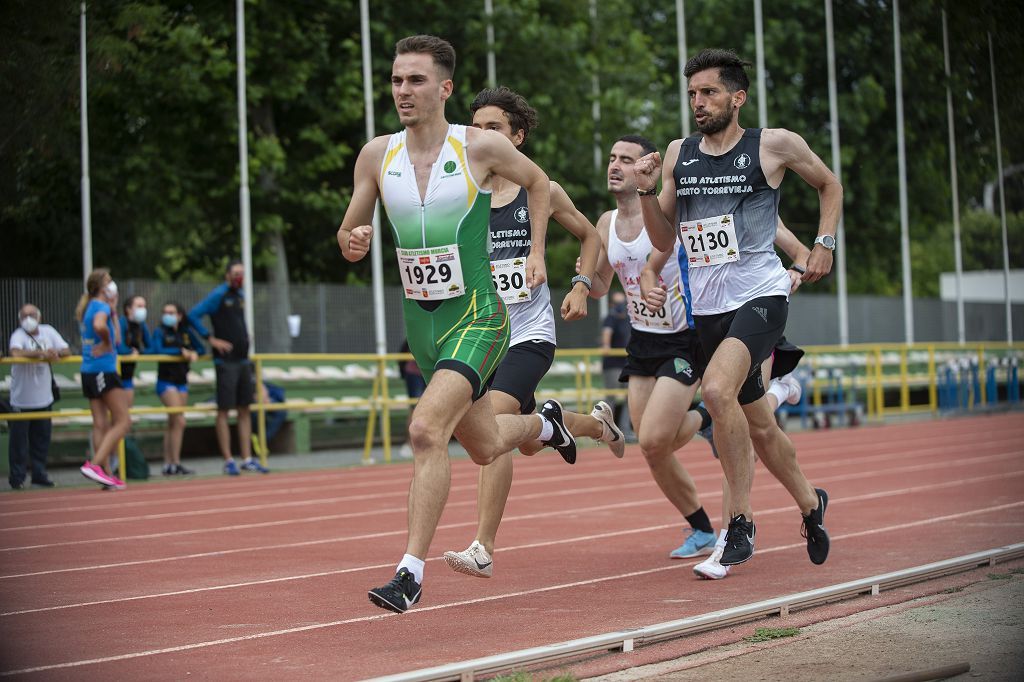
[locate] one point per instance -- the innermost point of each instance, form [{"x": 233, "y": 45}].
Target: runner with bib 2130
[{"x": 725, "y": 181}]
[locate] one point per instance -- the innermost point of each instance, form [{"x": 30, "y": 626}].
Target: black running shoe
[
  {"x": 561, "y": 439},
  {"x": 814, "y": 530},
  {"x": 398, "y": 595},
  {"x": 739, "y": 541},
  {"x": 183, "y": 471}
]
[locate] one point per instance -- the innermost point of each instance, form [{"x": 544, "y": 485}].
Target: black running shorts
[
  {"x": 95, "y": 384},
  {"x": 786, "y": 358},
  {"x": 234, "y": 384},
  {"x": 758, "y": 324},
  {"x": 520, "y": 372},
  {"x": 677, "y": 356}
]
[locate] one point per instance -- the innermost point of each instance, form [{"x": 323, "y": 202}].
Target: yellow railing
[{"x": 864, "y": 372}]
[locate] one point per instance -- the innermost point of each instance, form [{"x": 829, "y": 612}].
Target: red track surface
[{"x": 266, "y": 576}]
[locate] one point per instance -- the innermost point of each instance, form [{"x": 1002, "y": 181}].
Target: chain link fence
[{"x": 337, "y": 318}]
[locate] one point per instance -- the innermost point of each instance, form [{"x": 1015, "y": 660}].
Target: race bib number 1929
[
  {"x": 710, "y": 241},
  {"x": 431, "y": 274}
]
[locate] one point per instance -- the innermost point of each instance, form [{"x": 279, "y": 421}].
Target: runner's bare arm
[
  {"x": 500, "y": 157},
  {"x": 659, "y": 215},
  {"x": 654, "y": 294},
  {"x": 790, "y": 150},
  {"x": 356, "y": 229},
  {"x": 574, "y": 306},
  {"x": 603, "y": 273},
  {"x": 795, "y": 249}
]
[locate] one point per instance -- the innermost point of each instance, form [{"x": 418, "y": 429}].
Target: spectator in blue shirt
[
  {"x": 176, "y": 335},
  {"x": 230, "y": 341},
  {"x": 100, "y": 382}
]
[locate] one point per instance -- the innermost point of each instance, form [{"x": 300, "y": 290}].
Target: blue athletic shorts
[{"x": 162, "y": 386}]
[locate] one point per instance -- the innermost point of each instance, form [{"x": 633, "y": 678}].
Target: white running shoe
[
  {"x": 796, "y": 389},
  {"x": 710, "y": 568},
  {"x": 474, "y": 561},
  {"x": 405, "y": 452},
  {"x": 610, "y": 431}
]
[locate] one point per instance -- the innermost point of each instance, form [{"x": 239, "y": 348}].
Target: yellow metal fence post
[
  {"x": 122, "y": 458},
  {"x": 904, "y": 383},
  {"x": 879, "y": 382},
  {"x": 371, "y": 422},
  {"x": 933, "y": 380},
  {"x": 261, "y": 420},
  {"x": 385, "y": 409}
]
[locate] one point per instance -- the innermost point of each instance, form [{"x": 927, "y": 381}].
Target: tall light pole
[
  {"x": 961, "y": 330},
  {"x": 243, "y": 173},
  {"x": 1002, "y": 195},
  {"x": 908, "y": 293},
  {"x": 376, "y": 257},
  {"x": 86, "y": 190},
  {"x": 684, "y": 100},
  {"x": 837, "y": 170}
]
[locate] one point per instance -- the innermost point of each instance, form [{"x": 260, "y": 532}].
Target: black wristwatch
[{"x": 647, "y": 192}]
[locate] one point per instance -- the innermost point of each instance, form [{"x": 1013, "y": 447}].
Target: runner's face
[
  {"x": 714, "y": 107},
  {"x": 417, "y": 88},
  {"x": 495, "y": 118},
  {"x": 620, "y": 166}
]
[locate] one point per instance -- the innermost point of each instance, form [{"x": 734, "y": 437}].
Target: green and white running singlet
[{"x": 454, "y": 318}]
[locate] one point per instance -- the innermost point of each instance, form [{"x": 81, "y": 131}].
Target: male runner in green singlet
[{"x": 434, "y": 181}]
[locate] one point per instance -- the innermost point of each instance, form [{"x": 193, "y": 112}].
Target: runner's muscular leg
[
  {"x": 495, "y": 481},
  {"x": 723, "y": 378},
  {"x": 666, "y": 408},
  {"x": 778, "y": 454},
  {"x": 448, "y": 397}
]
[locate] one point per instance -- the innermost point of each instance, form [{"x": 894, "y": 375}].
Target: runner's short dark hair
[
  {"x": 438, "y": 48},
  {"x": 521, "y": 116},
  {"x": 646, "y": 145},
  {"x": 731, "y": 69}
]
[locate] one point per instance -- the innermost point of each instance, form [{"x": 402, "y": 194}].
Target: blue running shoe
[
  {"x": 697, "y": 543},
  {"x": 231, "y": 468},
  {"x": 254, "y": 465}
]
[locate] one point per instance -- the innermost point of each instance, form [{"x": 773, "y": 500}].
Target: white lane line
[
  {"x": 403, "y": 509},
  {"x": 807, "y": 456},
  {"x": 479, "y": 600},
  {"x": 523, "y": 517}
]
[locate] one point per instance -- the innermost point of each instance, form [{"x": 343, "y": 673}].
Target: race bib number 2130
[{"x": 710, "y": 241}]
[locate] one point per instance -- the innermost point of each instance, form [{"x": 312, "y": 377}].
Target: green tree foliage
[{"x": 162, "y": 110}]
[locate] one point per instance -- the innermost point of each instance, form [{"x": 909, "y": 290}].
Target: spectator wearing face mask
[
  {"x": 176, "y": 335},
  {"x": 615, "y": 331},
  {"x": 134, "y": 340},
  {"x": 235, "y": 387},
  {"x": 100, "y": 381},
  {"x": 32, "y": 390}
]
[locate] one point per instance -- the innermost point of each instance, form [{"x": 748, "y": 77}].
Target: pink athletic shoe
[{"x": 96, "y": 473}]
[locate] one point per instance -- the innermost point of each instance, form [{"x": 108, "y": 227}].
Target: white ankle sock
[
  {"x": 721, "y": 538},
  {"x": 779, "y": 390},
  {"x": 546, "y": 429},
  {"x": 414, "y": 566}
]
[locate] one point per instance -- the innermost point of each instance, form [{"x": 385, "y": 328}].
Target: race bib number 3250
[
  {"x": 431, "y": 274},
  {"x": 710, "y": 241}
]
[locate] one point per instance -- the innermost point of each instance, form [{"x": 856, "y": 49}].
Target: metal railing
[{"x": 836, "y": 378}]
